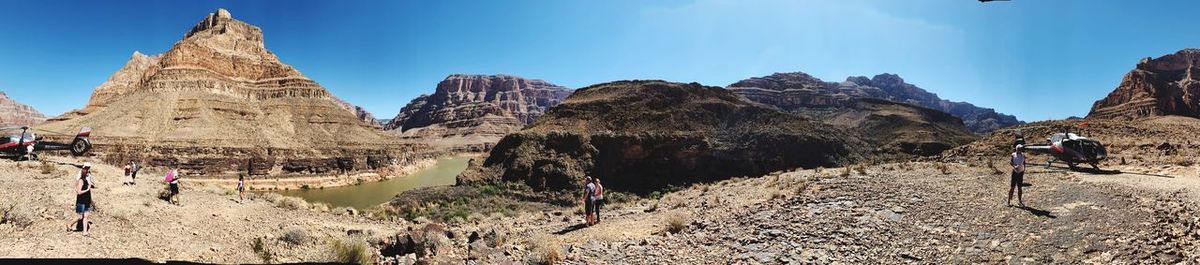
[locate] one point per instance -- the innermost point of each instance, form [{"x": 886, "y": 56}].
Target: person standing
[
  {"x": 173, "y": 184},
  {"x": 1018, "y": 176},
  {"x": 128, "y": 174},
  {"x": 598, "y": 200},
  {"x": 589, "y": 190},
  {"x": 241, "y": 188},
  {"x": 83, "y": 198},
  {"x": 133, "y": 167}
]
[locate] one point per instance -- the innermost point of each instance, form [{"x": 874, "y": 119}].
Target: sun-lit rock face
[
  {"x": 1166, "y": 85},
  {"x": 800, "y": 90},
  {"x": 642, "y": 136},
  {"x": 13, "y": 113},
  {"x": 218, "y": 101},
  {"x": 472, "y": 112}
]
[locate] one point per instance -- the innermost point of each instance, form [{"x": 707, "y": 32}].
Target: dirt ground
[
  {"x": 914, "y": 212},
  {"x": 132, "y": 222},
  {"x": 892, "y": 213}
]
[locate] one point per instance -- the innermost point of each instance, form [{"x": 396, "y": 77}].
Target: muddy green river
[{"x": 371, "y": 194}]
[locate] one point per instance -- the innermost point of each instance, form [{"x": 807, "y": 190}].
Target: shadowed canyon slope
[
  {"x": 472, "y": 112},
  {"x": 218, "y": 101},
  {"x": 1166, "y": 85},
  {"x": 644, "y": 135},
  {"x": 791, "y": 91},
  {"x": 13, "y": 113}
]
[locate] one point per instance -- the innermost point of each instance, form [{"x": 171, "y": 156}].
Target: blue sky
[{"x": 1032, "y": 58}]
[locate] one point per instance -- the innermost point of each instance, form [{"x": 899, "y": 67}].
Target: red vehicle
[{"x": 25, "y": 143}]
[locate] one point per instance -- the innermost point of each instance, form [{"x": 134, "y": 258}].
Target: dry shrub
[
  {"x": 259, "y": 245},
  {"x": 860, "y": 169},
  {"x": 19, "y": 216},
  {"x": 801, "y": 187},
  {"x": 546, "y": 250},
  {"x": 942, "y": 167},
  {"x": 351, "y": 252},
  {"x": 675, "y": 223},
  {"x": 776, "y": 194},
  {"x": 320, "y": 207},
  {"x": 292, "y": 203},
  {"x": 992, "y": 166},
  {"x": 296, "y": 236},
  {"x": 48, "y": 168},
  {"x": 272, "y": 197}
]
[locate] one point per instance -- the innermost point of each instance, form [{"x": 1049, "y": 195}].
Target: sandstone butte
[
  {"x": 1166, "y": 85},
  {"x": 13, "y": 113},
  {"x": 472, "y": 112},
  {"x": 219, "y": 103}
]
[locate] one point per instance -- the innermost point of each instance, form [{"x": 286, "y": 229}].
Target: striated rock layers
[
  {"x": 472, "y": 112},
  {"x": 220, "y": 103},
  {"x": 1167, "y": 85},
  {"x": 13, "y": 113},
  {"x": 642, "y": 136},
  {"x": 799, "y": 90},
  {"x": 893, "y": 127}
]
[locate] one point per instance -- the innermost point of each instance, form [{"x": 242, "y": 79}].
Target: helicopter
[
  {"x": 1071, "y": 149},
  {"x": 26, "y": 143}
]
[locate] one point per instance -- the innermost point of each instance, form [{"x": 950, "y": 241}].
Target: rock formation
[
  {"x": 794, "y": 90},
  {"x": 641, "y": 136},
  {"x": 13, "y": 113},
  {"x": 219, "y": 102},
  {"x": 472, "y": 112},
  {"x": 1167, "y": 85},
  {"x": 857, "y": 105}
]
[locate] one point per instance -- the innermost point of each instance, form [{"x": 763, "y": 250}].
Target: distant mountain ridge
[
  {"x": 13, "y": 113},
  {"x": 472, "y": 112},
  {"x": 797, "y": 89},
  {"x": 1167, "y": 85}
]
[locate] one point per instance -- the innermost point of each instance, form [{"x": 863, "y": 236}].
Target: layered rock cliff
[
  {"x": 895, "y": 124},
  {"x": 641, "y": 136},
  {"x": 1166, "y": 85},
  {"x": 218, "y": 100},
  {"x": 472, "y": 112},
  {"x": 13, "y": 113},
  {"x": 795, "y": 90}
]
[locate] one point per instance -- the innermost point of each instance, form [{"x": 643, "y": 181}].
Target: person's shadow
[
  {"x": 570, "y": 229},
  {"x": 1038, "y": 212}
]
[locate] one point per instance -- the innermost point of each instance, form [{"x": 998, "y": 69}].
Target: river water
[{"x": 370, "y": 194}]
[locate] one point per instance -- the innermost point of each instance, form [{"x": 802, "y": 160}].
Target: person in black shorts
[
  {"x": 83, "y": 198},
  {"x": 1018, "y": 176}
]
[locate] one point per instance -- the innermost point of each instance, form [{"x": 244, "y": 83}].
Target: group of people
[
  {"x": 85, "y": 185},
  {"x": 593, "y": 200}
]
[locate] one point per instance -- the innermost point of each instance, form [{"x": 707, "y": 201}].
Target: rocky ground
[
  {"x": 915, "y": 212},
  {"x": 893, "y": 213}
]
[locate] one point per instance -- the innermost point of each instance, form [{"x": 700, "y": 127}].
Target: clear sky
[{"x": 1036, "y": 59}]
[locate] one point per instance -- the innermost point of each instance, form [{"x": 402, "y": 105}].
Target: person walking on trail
[
  {"x": 173, "y": 184},
  {"x": 598, "y": 199},
  {"x": 241, "y": 188},
  {"x": 1018, "y": 175},
  {"x": 128, "y": 178},
  {"x": 589, "y": 191},
  {"x": 83, "y": 198}
]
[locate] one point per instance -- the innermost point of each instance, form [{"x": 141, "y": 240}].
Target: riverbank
[{"x": 318, "y": 182}]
